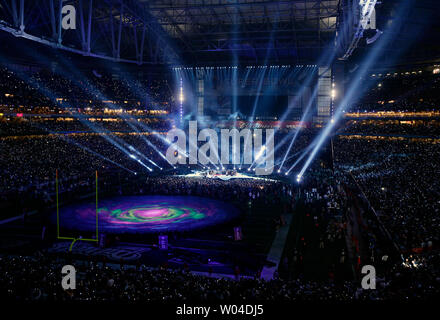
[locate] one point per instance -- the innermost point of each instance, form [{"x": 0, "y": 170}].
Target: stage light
[
  {"x": 333, "y": 93},
  {"x": 181, "y": 101},
  {"x": 298, "y": 178},
  {"x": 133, "y": 156},
  {"x": 279, "y": 171},
  {"x": 375, "y": 37},
  {"x": 303, "y": 117}
]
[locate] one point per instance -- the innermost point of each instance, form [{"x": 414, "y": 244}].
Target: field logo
[
  {"x": 69, "y": 17},
  {"x": 255, "y": 154}
]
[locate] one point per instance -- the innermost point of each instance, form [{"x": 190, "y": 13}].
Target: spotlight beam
[
  {"x": 353, "y": 90},
  {"x": 299, "y": 159},
  {"x": 65, "y": 138},
  {"x": 102, "y": 132},
  {"x": 48, "y": 93},
  {"x": 99, "y": 94}
]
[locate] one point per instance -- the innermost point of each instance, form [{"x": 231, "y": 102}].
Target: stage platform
[
  {"x": 223, "y": 176},
  {"x": 146, "y": 214}
]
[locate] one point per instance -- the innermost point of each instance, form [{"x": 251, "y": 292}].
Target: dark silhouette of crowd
[
  {"x": 429, "y": 128},
  {"x": 400, "y": 91},
  {"x": 27, "y": 88},
  {"x": 400, "y": 179},
  {"x": 37, "y": 278}
]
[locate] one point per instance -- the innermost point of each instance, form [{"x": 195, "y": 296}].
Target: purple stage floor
[{"x": 146, "y": 214}]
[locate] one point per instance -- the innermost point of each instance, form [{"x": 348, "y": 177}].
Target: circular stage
[{"x": 145, "y": 214}]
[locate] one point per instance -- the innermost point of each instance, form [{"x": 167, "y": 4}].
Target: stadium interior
[{"x": 331, "y": 195}]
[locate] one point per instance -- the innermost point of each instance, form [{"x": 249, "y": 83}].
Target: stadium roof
[
  {"x": 181, "y": 31},
  {"x": 206, "y": 32},
  {"x": 251, "y": 29}
]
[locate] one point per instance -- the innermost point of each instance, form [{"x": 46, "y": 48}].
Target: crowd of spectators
[
  {"x": 415, "y": 128},
  {"x": 27, "y": 127},
  {"x": 59, "y": 88},
  {"x": 400, "y": 178},
  {"x": 36, "y": 151},
  {"x": 31, "y": 162},
  {"x": 415, "y": 91},
  {"x": 390, "y": 173},
  {"x": 37, "y": 278}
]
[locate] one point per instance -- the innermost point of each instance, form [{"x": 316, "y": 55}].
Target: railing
[{"x": 371, "y": 208}]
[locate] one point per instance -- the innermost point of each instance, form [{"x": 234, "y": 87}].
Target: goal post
[{"x": 58, "y": 214}]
